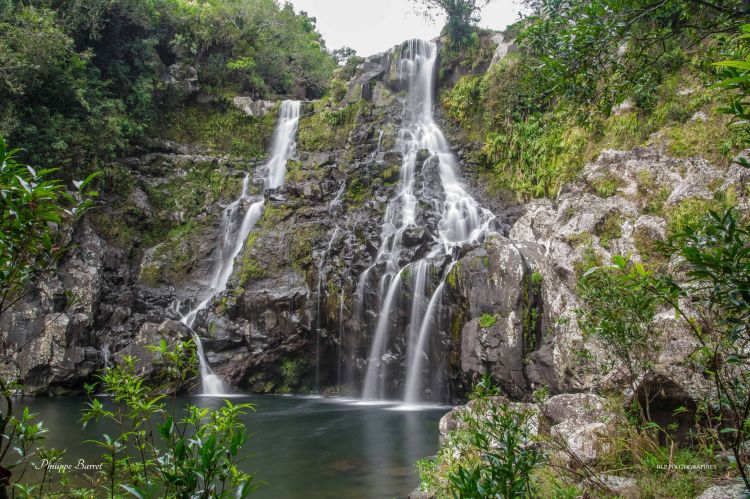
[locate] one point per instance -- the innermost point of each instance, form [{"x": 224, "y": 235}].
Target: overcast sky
[{"x": 372, "y": 26}]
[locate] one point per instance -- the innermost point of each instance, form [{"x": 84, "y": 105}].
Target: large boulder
[{"x": 151, "y": 334}]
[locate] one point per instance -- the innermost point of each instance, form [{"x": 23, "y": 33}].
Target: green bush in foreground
[{"x": 158, "y": 450}]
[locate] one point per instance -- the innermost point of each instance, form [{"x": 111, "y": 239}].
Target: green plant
[
  {"x": 487, "y": 320},
  {"x": 35, "y": 214},
  {"x": 536, "y": 278},
  {"x": 607, "y": 186},
  {"x": 619, "y": 307},
  {"x": 717, "y": 269},
  {"x": 735, "y": 76},
  {"x": 20, "y": 445},
  {"x": 462, "y": 15},
  {"x": 484, "y": 388},
  {"x": 503, "y": 438},
  {"x": 157, "y": 453}
]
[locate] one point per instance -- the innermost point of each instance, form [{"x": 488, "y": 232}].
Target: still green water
[{"x": 301, "y": 447}]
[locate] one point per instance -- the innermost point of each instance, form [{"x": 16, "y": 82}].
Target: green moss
[
  {"x": 609, "y": 229},
  {"x": 711, "y": 139},
  {"x": 581, "y": 238},
  {"x": 356, "y": 192},
  {"x": 303, "y": 239},
  {"x": 647, "y": 246},
  {"x": 150, "y": 275},
  {"x": 274, "y": 215},
  {"x": 589, "y": 260},
  {"x": 391, "y": 174},
  {"x": 452, "y": 277},
  {"x": 327, "y": 127},
  {"x": 487, "y": 320},
  {"x": 250, "y": 269},
  {"x": 689, "y": 211},
  {"x": 536, "y": 278},
  {"x": 293, "y": 372},
  {"x": 650, "y": 196}
]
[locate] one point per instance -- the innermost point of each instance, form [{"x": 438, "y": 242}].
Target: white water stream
[
  {"x": 461, "y": 221},
  {"x": 232, "y": 236}
]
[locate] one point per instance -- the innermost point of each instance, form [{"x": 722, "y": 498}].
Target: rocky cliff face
[{"x": 296, "y": 313}]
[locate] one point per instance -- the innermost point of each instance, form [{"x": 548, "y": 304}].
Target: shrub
[{"x": 487, "y": 320}]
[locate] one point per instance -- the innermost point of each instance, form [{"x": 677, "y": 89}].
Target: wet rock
[
  {"x": 419, "y": 494},
  {"x": 150, "y": 334},
  {"x": 495, "y": 281},
  {"x": 182, "y": 78}
]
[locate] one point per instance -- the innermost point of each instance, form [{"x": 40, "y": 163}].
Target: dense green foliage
[
  {"x": 586, "y": 76},
  {"x": 194, "y": 455},
  {"x": 508, "y": 456},
  {"x": 492, "y": 453},
  {"x": 158, "y": 450},
  {"x": 620, "y": 305},
  {"x": 735, "y": 76},
  {"x": 35, "y": 215},
  {"x": 81, "y": 80},
  {"x": 709, "y": 293}
]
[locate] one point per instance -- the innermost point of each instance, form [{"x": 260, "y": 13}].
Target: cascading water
[
  {"x": 232, "y": 235},
  {"x": 461, "y": 220},
  {"x": 333, "y": 208}
]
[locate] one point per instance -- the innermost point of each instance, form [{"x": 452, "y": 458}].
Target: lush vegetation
[
  {"x": 36, "y": 213},
  {"x": 80, "y": 81},
  {"x": 159, "y": 449},
  {"x": 586, "y": 76},
  {"x": 461, "y": 16}
]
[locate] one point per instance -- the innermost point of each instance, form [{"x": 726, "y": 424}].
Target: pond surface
[{"x": 302, "y": 447}]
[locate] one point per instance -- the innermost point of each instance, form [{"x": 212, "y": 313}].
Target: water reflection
[{"x": 301, "y": 446}]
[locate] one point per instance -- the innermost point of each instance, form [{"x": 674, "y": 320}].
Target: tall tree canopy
[
  {"x": 81, "y": 79},
  {"x": 461, "y": 14}
]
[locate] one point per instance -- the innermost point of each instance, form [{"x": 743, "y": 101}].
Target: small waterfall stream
[
  {"x": 461, "y": 220},
  {"x": 334, "y": 208},
  {"x": 232, "y": 236}
]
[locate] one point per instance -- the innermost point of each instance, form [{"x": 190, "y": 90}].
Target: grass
[
  {"x": 607, "y": 186},
  {"x": 227, "y": 131},
  {"x": 535, "y": 155}
]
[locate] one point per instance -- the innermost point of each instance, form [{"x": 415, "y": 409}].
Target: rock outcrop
[{"x": 297, "y": 307}]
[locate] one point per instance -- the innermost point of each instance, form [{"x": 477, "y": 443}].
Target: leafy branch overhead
[{"x": 36, "y": 215}]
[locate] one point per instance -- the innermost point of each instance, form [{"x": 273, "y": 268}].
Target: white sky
[{"x": 373, "y": 26}]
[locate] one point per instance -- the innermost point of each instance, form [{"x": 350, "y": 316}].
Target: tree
[
  {"x": 600, "y": 52},
  {"x": 341, "y": 55},
  {"x": 619, "y": 308},
  {"x": 735, "y": 76},
  {"x": 716, "y": 263},
  {"x": 709, "y": 292},
  {"x": 462, "y": 15}
]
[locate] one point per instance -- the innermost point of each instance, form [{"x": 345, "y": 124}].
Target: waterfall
[
  {"x": 461, "y": 220},
  {"x": 232, "y": 237},
  {"x": 333, "y": 208},
  {"x": 341, "y": 335},
  {"x": 105, "y": 355},
  {"x": 372, "y": 389}
]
